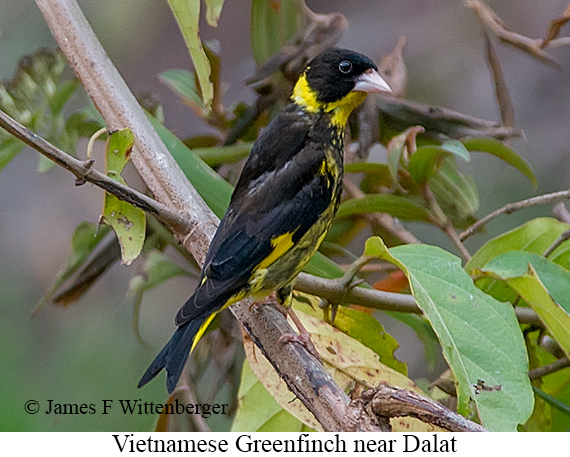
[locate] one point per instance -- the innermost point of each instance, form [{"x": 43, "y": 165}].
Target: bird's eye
[{"x": 345, "y": 66}]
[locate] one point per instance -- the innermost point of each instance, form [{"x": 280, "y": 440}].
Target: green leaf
[
  {"x": 536, "y": 236},
  {"x": 35, "y": 97},
  {"x": 427, "y": 159},
  {"x": 379, "y": 172},
  {"x": 546, "y": 418},
  {"x": 503, "y": 152},
  {"x": 401, "y": 207},
  {"x": 560, "y": 406},
  {"x": 128, "y": 222},
  {"x": 273, "y": 24},
  {"x": 157, "y": 268},
  {"x": 187, "y": 14},
  {"x": 213, "y": 11},
  {"x": 457, "y": 148},
  {"x": 258, "y": 411},
  {"x": 63, "y": 95},
  {"x": 218, "y": 155},
  {"x": 9, "y": 148},
  {"x": 480, "y": 337},
  {"x": 322, "y": 266},
  {"x": 182, "y": 82},
  {"x": 544, "y": 285},
  {"x": 456, "y": 193},
  {"x": 215, "y": 191}
]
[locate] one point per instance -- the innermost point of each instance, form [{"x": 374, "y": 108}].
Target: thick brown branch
[{"x": 389, "y": 401}]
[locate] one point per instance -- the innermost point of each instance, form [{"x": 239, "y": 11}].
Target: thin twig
[
  {"x": 443, "y": 222},
  {"x": 329, "y": 289},
  {"x": 531, "y": 46},
  {"x": 561, "y": 239},
  {"x": 553, "y": 367},
  {"x": 384, "y": 267},
  {"x": 512, "y": 207},
  {"x": 346, "y": 282},
  {"x": 452, "y": 234},
  {"x": 502, "y": 93},
  {"x": 84, "y": 172},
  {"x": 390, "y": 401}
]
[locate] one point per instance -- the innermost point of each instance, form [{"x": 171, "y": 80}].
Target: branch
[
  {"x": 443, "y": 222},
  {"x": 336, "y": 292},
  {"x": 561, "y": 239},
  {"x": 512, "y": 207},
  {"x": 84, "y": 172},
  {"x": 332, "y": 290},
  {"x": 550, "y": 368},
  {"x": 389, "y": 401},
  {"x": 169, "y": 185}
]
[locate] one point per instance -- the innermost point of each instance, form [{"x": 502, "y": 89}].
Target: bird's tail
[{"x": 174, "y": 355}]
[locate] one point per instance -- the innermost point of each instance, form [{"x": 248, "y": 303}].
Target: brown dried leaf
[
  {"x": 393, "y": 69},
  {"x": 87, "y": 275},
  {"x": 399, "y": 114}
]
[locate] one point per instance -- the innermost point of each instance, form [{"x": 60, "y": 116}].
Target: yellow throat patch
[{"x": 306, "y": 97}]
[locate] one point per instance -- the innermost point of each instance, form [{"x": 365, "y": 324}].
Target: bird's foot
[{"x": 303, "y": 338}]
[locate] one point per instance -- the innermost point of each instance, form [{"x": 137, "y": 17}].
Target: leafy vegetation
[{"x": 470, "y": 304}]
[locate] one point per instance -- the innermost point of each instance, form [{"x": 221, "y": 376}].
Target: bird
[{"x": 283, "y": 204}]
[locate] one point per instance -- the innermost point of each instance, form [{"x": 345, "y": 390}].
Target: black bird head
[
  {"x": 337, "y": 78},
  {"x": 335, "y": 73}
]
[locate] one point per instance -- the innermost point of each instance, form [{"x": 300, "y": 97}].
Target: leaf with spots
[
  {"x": 362, "y": 327},
  {"x": 352, "y": 365},
  {"x": 128, "y": 222},
  {"x": 480, "y": 336}
]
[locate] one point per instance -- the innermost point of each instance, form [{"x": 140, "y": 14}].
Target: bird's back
[{"x": 281, "y": 208}]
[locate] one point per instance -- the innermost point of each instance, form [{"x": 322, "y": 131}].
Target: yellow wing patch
[{"x": 281, "y": 244}]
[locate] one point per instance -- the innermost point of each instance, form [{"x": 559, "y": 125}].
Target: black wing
[{"x": 281, "y": 190}]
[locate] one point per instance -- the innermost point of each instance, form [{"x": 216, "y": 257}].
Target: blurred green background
[{"x": 88, "y": 352}]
